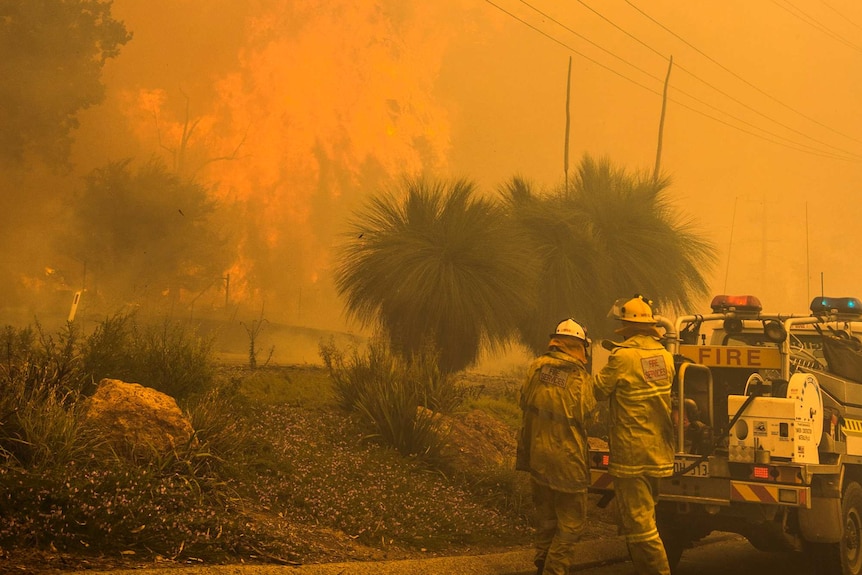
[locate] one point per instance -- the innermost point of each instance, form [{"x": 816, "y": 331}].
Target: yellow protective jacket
[
  {"x": 637, "y": 381},
  {"x": 556, "y": 400}
]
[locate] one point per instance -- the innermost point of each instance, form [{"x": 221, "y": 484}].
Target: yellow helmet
[{"x": 636, "y": 310}]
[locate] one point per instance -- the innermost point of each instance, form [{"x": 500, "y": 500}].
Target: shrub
[
  {"x": 61, "y": 486},
  {"x": 388, "y": 390},
  {"x": 170, "y": 357},
  {"x": 174, "y": 359},
  {"x": 32, "y": 358},
  {"x": 41, "y": 377},
  {"x": 107, "y": 351},
  {"x": 351, "y": 375},
  {"x": 45, "y": 432},
  {"x": 254, "y": 482},
  {"x": 219, "y": 418}
]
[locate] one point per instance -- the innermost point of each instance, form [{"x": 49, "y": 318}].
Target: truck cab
[{"x": 780, "y": 398}]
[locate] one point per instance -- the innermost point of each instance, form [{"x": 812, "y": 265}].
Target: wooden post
[
  {"x": 568, "y": 122},
  {"x": 661, "y": 123}
]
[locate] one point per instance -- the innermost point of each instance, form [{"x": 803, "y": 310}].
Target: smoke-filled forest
[
  {"x": 295, "y": 175},
  {"x": 189, "y": 159}
]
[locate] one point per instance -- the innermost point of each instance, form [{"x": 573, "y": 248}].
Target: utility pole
[
  {"x": 568, "y": 123},
  {"x": 655, "y": 173}
]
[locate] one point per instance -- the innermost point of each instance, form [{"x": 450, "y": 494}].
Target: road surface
[{"x": 729, "y": 555}]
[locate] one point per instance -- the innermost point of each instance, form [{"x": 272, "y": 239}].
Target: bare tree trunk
[{"x": 661, "y": 123}]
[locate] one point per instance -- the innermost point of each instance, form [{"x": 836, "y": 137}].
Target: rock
[{"x": 137, "y": 419}]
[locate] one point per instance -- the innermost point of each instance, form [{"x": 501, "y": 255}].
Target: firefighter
[
  {"x": 556, "y": 400},
  {"x": 637, "y": 382},
  {"x": 697, "y": 434}
]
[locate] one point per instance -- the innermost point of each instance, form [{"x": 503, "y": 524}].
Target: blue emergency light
[{"x": 843, "y": 306}]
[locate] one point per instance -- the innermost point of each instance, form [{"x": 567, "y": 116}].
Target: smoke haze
[{"x": 300, "y": 109}]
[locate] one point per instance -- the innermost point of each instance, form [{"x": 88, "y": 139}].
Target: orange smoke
[{"x": 321, "y": 96}]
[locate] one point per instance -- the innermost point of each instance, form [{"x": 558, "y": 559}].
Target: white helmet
[{"x": 571, "y": 328}]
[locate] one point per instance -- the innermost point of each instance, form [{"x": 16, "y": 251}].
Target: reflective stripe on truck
[{"x": 752, "y": 492}]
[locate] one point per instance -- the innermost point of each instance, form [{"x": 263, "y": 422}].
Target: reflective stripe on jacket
[
  {"x": 637, "y": 381},
  {"x": 556, "y": 400}
]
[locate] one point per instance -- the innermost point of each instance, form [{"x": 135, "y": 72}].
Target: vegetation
[
  {"x": 439, "y": 266},
  {"x": 68, "y": 42},
  {"x": 170, "y": 357},
  {"x": 610, "y": 234},
  {"x": 144, "y": 233},
  {"x": 277, "y": 471},
  {"x": 386, "y": 391}
]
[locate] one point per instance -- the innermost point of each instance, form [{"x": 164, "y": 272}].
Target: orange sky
[{"x": 326, "y": 99}]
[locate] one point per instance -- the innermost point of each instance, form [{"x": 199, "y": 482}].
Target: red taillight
[
  {"x": 606, "y": 459},
  {"x": 761, "y": 472}
]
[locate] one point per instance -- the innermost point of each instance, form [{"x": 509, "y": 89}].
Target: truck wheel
[
  {"x": 851, "y": 542},
  {"x": 844, "y": 557}
]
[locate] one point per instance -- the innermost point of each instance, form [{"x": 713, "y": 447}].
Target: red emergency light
[{"x": 737, "y": 303}]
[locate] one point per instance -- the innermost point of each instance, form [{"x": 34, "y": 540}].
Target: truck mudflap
[{"x": 821, "y": 522}]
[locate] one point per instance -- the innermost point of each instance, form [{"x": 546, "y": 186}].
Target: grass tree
[
  {"x": 432, "y": 264},
  {"x": 562, "y": 270},
  {"x": 609, "y": 234}
]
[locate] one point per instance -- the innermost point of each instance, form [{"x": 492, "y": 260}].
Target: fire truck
[{"x": 779, "y": 397}]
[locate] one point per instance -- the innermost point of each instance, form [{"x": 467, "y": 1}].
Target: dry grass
[{"x": 282, "y": 474}]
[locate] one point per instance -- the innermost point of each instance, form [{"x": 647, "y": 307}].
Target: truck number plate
[{"x": 699, "y": 470}]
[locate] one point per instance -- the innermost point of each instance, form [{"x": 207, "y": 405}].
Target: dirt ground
[{"x": 600, "y": 525}]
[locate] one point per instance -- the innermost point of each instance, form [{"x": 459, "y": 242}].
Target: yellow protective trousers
[
  {"x": 636, "y": 498},
  {"x": 560, "y": 521}
]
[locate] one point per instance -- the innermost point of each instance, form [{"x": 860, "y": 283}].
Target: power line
[
  {"x": 696, "y": 99},
  {"x": 840, "y": 14},
  {"x": 797, "y": 12},
  {"x": 683, "y": 92},
  {"x": 567, "y": 47},
  {"x": 849, "y": 156},
  {"x": 585, "y": 39},
  {"x": 735, "y": 75}
]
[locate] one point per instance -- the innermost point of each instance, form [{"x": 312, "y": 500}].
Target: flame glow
[{"x": 323, "y": 100}]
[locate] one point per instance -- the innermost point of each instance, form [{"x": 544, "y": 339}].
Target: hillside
[{"x": 311, "y": 486}]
